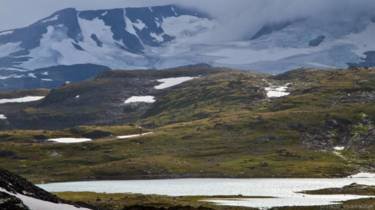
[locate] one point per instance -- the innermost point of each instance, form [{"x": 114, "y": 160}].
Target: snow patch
[
  {"x": 70, "y": 140},
  {"x": 363, "y": 175},
  {"x": 9, "y": 48},
  {"x": 12, "y": 76},
  {"x": 133, "y": 136},
  {"x": 3, "y": 117},
  {"x": 32, "y": 75},
  {"x": 56, "y": 48},
  {"x": 277, "y": 91},
  {"x": 36, "y": 204},
  {"x": 21, "y": 100},
  {"x": 6, "y": 32},
  {"x": 157, "y": 37},
  {"x": 129, "y": 27},
  {"x": 54, "y": 18},
  {"x": 170, "y": 82},
  {"x": 139, "y": 24},
  {"x": 174, "y": 11},
  {"x": 140, "y": 99},
  {"x": 339, "y": 148}
]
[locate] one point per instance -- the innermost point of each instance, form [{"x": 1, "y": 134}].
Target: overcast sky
[{"x": 240, "y": 16}]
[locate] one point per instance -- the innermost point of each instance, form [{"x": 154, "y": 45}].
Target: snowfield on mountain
[{"x": 169, "y": 36}]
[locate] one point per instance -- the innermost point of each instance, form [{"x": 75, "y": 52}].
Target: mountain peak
[
  {"x": 84, "y": 36},
  {"x": 169, "y": 36}
]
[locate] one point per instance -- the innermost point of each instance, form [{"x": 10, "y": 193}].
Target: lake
[{"x": 283, "y": 191}]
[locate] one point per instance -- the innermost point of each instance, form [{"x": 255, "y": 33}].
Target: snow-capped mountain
[
  {"x": 169, "y": 36},
  {"x": 119, "y": 38}
]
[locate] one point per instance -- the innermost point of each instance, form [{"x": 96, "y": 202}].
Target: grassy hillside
[{"x": 220, "y": 125}]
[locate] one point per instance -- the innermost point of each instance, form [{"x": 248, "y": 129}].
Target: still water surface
[{"x": 284, "y": 191}]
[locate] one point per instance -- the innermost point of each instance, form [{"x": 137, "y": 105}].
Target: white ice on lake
[
  {"x": 3, "y": 117},
  {"x": 283, "y": 191},
  {"x": 21, "y": 100},
  {"x": 140, "y": 99},
  {"x": 70, "y": 140},
  {"x": 170, "y": 82}
]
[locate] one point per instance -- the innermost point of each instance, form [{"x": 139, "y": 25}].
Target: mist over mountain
[{"x": 263, "y": 35}]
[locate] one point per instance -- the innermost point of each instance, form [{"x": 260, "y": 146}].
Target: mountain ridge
[
  {"x": 170, "y": 36},
  {"x": 129, "y": 30}
]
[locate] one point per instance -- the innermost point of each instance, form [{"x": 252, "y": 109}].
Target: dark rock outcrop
[
  {"x": 9, "y": 202},
  {"x": 16, "y": 184}
]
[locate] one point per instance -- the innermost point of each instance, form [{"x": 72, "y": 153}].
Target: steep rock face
[{"x": 16, "y": 184}]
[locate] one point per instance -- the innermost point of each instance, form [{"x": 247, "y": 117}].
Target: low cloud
[
  {"x": 243, "y": 18},
  {"x": 238, "y": 18}
]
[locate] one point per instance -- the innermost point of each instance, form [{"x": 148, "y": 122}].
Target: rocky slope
[
  {"x": 98, "y": 101},
  {"x": 216, "y": 125},
  {"x": 16, "y": 193}
]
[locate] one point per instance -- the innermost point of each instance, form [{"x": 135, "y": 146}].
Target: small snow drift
[
  {"x": 363, "y": 175},
  {"x": 339, "y": 148},
  {"x": 140, "y": 99},
  {"x": 170, "y": 82},
  {"x": 3, "y": 117},
  {"x": 277, "y": 91},
  {"x": 21, "y": 100},
  {"x": 70, "y": 140},
  {"x": 133, "y": 135}
]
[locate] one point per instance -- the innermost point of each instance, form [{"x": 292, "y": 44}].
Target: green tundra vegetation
[{"x": 219, "y": 125}]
